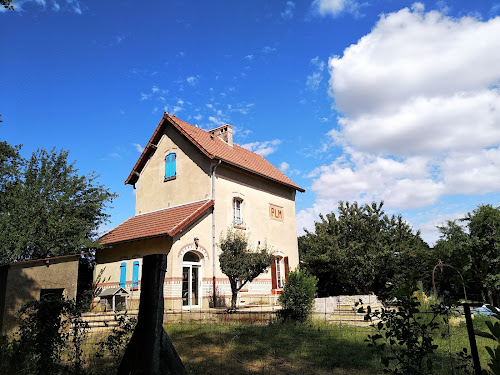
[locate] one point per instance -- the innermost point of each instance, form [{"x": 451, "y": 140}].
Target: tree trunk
[
  {"x": 490, "y": 296},
  {"x": 150, "y": 350},
  {"x": 234, "y": 294}
]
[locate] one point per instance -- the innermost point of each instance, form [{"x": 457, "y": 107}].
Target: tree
[
  {"x": 239, "y": 263},
  {"x": 361, "y": 250},
  {"x": 7, "y": 4},
  {"x": 474, "y": 250},
  {"x": 47, "y": 208},
  {"x": 484, "y": 247}
]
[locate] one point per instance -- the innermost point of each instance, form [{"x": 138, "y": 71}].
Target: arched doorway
[{"x": 191, "y": 280}]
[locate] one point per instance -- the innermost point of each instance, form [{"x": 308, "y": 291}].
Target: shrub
[
  {"x": 404, "y": 336},
  {"x": 298, "y": 296}
]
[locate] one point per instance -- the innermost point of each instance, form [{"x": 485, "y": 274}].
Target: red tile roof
[
  {"x": 214, "y": 148},
  {"x": 166, "y": 222}
]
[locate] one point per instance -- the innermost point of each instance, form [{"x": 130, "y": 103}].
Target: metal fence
[{"x": 252, "y": 340}]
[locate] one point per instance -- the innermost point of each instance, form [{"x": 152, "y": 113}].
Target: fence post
[{"x": 472, "y": 339}]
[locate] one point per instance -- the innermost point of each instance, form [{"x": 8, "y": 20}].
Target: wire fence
[{"x": 252, "y": 340}]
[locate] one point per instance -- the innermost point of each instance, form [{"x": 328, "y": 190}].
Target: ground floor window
[{"x": 279, "y": 270}]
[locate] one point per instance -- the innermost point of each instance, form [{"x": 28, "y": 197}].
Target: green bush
[{"x": 298, "y": 296}]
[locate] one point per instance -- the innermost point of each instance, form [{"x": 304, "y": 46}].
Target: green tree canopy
[
  {"x": 46, "y": 207},
  {"x": 361, "y": 250},
  {"x": 473, "y": 250},
  {"x": 7, "y": 4},
  {"x": 239, "y": 263}
]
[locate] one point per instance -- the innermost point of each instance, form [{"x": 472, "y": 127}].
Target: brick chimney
[{"x": 224, "y": 132}]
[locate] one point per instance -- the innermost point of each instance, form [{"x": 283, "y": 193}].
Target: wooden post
[
  {"x": 472, "y": 340},
  {"x": 150, "y": 350}
]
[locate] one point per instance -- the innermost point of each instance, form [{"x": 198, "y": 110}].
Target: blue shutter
[
  {"x": 123, "y": 274},
  {"x": 170, "y": 166},
  {"x": 135, "y": 274},
  {"x": 167, "y": 166},
  {"x": 172, "y": 163}
]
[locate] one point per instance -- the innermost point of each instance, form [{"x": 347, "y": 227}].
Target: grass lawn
[{"x": 317, "y": 348}]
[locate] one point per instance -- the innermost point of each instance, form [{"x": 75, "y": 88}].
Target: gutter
[{"x": 213, "y": 225}]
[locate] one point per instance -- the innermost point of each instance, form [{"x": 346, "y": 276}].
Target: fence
[{"x": 252, "y": 341}]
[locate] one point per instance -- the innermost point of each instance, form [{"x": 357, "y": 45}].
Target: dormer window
[
  {"x": 170, "y": 166},
  {"x": 237, "y": 217}
]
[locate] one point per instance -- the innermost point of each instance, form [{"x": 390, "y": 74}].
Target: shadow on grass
[{"x": 274, "y": 349}]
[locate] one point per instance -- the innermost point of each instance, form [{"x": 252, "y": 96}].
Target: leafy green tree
[
  {"x": 298, "y": 296},
  {"x": 48, "y": 209},
  {"x": 361, "y": 250},
  {"x": 474, "y": 250},
  {"x": 7, "y": 4},
  {"x": 239, "y": 263}
]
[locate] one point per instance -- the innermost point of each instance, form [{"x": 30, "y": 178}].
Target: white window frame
[
  {"x": 279, "y": 272},
  {"x": 237, "y": 211}
]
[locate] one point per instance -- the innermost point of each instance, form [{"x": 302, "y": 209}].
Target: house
[
  {"x": 67, "y": 276},
  {"x": 191, "y": 185}
]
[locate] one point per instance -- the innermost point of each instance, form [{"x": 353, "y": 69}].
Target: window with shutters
[
  {"x": 170, "y": 166},
  {"x": 135, "y": 274},
  {"x": 123, "y": 274},
  {"x": 279, "y": 271}
]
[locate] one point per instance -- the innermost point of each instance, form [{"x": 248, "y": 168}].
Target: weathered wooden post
[{"x": 150, "y": 350}]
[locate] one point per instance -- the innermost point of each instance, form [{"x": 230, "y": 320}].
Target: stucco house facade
[{"x": 192, "y": 185}]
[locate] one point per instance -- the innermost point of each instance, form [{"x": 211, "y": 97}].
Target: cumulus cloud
[
  {"x": 138, "y": 147},
  {"x": 263, "y": 148},
  {"x": 336, "y": 7},
  {"x": 419, "y": 112}
]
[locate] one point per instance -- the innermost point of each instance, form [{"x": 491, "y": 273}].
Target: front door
[{"x": 190, "y": 285}]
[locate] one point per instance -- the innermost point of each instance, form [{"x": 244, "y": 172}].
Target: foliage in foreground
[
  {"x": 46, "y": 207},
  {"x": 492, "y": 334},
  {"x": 298, "y": 296},
  {"x": 48, "y": 328},
  {"x": 239, "y": 263},
  {"x": 405, "y": 335}
]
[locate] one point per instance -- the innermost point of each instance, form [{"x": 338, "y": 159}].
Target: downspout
[{"x": 213, "y": 228}]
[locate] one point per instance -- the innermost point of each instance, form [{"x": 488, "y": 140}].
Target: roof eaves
[
  {"x": 296, "y": 187},
  {"x": 172, "y": 120},
  {"x": 142, "y": 159},
  {"x": 188, "y": 220}
]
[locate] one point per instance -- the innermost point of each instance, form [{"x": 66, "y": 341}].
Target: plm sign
[{"x": 276, "y": 212}]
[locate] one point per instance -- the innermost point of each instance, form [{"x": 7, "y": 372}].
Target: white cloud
[
  {"x": 145, "y": 96},
  {"x": 263, "y": 148},
  {"x": 249, "y": 57},
  {"x": 284, "y": 166},
  {"x": 287, "y": 14},
  {"x": 192, "y": 80},
  {"x": 419, "y": 105},
  {"x": 138, "y": 147},
  {"x": 155, "y": 89},
  {"x": 336, "y": 7},
  {"x": 216, "y": 120},
  {"x": 268, "y": 49},
  {"x": 314, "y": 79},
  {"x": 70, "y": 5}
]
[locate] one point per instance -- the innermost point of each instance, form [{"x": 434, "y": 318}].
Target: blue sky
[{"x": 354, "y": 100}]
